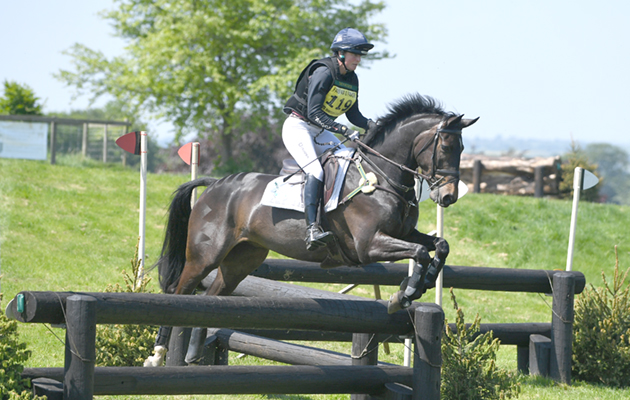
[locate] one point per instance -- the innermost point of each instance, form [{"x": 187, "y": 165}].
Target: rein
[{"x": 433, "y": 183}]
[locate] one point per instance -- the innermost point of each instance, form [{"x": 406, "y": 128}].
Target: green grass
[{"x": 74, "y": 226}]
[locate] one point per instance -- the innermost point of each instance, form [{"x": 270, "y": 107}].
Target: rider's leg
[
  {"x": 305, "y": 143},
  {"x": 315, "y": 237}
]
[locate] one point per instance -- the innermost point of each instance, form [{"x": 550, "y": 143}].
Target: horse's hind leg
[{"x": 239, "y": 263}]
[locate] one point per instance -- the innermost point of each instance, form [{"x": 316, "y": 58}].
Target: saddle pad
[{"x": 288, "y": 195}]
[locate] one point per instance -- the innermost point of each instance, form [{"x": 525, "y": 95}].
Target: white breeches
[{"x": 306, "y": 142}]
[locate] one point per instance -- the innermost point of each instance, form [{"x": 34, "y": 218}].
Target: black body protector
[{"x": 339, "y": 99}]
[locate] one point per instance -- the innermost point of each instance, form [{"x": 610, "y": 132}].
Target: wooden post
[
  {"x": 522, "y": 359},
  {"x": 477, "y": 166},
  {"x": 105, "y": 144},
  {"x": 562, "y": 327},
  {"x": 178, "y": 346},
  {"x": 538, "y": 181},
  {"x": 427, "y": 365},
  {"x": 53, "y": 142},
  {"x": 364, "y": 352},
  {"x": 539, "y": 352},
  {"x": 84, "y": 141},
  {"x": 78, "y": 381}
]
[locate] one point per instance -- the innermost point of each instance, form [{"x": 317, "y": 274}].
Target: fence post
[
  {"x": 105, "y": 144},
  {"x": 178, "y": 346},
  {"x": 53, "y": 142},
  {"x": 78, "y": 381},
  {"x": 364, "y": 352},
  {"x": 84, "y": 141},
  {"x": 562, "y": 327},
  {"x": 538, "y": 182},
  {"x": 427, "y": 363},
  {"x": 477, "y": 166}
]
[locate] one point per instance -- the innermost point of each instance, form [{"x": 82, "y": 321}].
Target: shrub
[
  {"x": 125, "y": 345},
  {"x": 12, "y": 356},
  {"x": 469, "y": 368},
  {"x": 601, "y": 339}
]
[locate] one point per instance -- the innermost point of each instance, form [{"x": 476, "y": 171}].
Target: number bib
[{"x": 340, "y": 98}]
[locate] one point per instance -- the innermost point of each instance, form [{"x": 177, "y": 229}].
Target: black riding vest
[{"x": 340, "y": 97}]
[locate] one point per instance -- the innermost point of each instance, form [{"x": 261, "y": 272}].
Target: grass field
[{"x": 74, "y": 226}]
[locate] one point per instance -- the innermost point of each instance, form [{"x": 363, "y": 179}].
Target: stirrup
[{"x": 316, "y": 238}]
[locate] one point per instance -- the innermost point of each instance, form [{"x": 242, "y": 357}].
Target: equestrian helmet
[{"x": 351, "y": 40}]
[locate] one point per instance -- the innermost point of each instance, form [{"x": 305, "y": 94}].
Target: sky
[{"x": 536, "y": 69}]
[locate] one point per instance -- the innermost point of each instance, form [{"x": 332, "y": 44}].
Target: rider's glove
[{"x": 350, "y": 134}]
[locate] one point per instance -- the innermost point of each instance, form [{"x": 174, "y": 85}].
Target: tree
[
  {"x": 207, "y": 66},
  {"x": 19, "y": 100},
  {"x": 612, "y": 163}
]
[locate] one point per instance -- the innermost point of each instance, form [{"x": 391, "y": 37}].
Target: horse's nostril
[{"x": 448, "y": 200}]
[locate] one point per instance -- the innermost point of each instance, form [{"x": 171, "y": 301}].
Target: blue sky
[{"x": 553, "y": 69}]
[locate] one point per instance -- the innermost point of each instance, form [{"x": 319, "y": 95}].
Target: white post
[
  {"x": 194, "y": 167},
  {"x": 440, "y": 233},
  {"x": 143, "y": 204},
  {"x": 578, "y": 176},
  {"x": 407, "y": 352}
]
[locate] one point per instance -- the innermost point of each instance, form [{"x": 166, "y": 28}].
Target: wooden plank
[
  {"x": 223, "y": 311},
  {"x": 295, "y": 379}
]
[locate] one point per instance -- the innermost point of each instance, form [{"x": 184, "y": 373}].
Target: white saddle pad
[{"x": 288, "y": 194}]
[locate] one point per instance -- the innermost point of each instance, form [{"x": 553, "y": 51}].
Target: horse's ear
[
  {"x": 454, "y": 120},
  {"x": 467, "y": 122}
]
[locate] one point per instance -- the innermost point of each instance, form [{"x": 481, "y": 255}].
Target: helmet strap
[{"x": 342, "y": 58}]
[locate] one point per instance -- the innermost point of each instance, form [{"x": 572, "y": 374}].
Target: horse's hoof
[{"x": 398, "y": 302}]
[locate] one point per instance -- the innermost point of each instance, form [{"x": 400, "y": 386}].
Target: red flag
[
  {"x": 185, "y": 152},
  {"x": 130, "y": 142}
]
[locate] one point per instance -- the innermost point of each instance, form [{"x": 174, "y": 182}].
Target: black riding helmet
[{"x": 351, "y": 40}]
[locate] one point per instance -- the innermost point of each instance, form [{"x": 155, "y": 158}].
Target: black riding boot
[{"x": 315, "y": 237}]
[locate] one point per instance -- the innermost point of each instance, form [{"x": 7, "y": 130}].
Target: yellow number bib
[{"x": 339, "y": 99}]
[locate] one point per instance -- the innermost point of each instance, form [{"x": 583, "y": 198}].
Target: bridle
[
  {"x": 442, "y": 173},
  {"x": 433, "y": 180}
]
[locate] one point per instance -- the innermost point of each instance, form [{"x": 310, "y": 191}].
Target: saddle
[
  {"x": 335, "y": 256},
  {"x": 330, "y": 166}
]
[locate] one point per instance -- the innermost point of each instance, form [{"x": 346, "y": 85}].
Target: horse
[{"x": 228, "y": 229}]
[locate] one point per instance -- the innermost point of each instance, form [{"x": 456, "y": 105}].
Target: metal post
[
  {"x": 577, "y": 188},
  {"x": 143, "y": 203}
]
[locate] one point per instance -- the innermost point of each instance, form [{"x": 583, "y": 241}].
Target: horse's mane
[{"x": 407, "y": 106}]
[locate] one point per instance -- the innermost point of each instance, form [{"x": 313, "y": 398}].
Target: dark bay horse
[{"x": 228, "y": 229}]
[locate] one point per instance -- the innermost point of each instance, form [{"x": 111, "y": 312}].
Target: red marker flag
[
  {"x": 130, "y": 142},
  {"x": 185, "y": 152}
]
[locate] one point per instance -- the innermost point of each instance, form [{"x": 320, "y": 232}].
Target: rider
[{"x": 326, "y": 89}]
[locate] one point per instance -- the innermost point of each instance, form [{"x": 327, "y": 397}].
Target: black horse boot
[{"x": 315, "y": 237}]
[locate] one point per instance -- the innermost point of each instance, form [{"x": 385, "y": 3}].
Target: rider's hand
[{"x": 351, "y": 135}]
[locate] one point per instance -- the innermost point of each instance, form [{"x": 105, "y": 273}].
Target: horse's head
[{"x": 437, "y": 153}]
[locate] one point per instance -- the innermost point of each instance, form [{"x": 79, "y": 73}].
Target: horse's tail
[{"x": 173, "y": 256}]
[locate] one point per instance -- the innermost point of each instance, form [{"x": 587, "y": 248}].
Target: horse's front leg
[{"x": 416, "y": 246}]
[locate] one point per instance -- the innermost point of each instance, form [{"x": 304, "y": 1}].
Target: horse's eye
[{"x": 447, "y": 149}]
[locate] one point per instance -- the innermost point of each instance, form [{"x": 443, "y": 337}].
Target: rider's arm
[
  {"x": 355, "y": 116},
  {"x": 319, "y": 85}
]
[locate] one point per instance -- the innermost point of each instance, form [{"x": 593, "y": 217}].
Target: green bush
[
  {"x": 469, "y": 370},
  {"x": 125, "y": 345},
  {"x": 601, "y": 339},
  {"x": 13, "y": 355}
]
